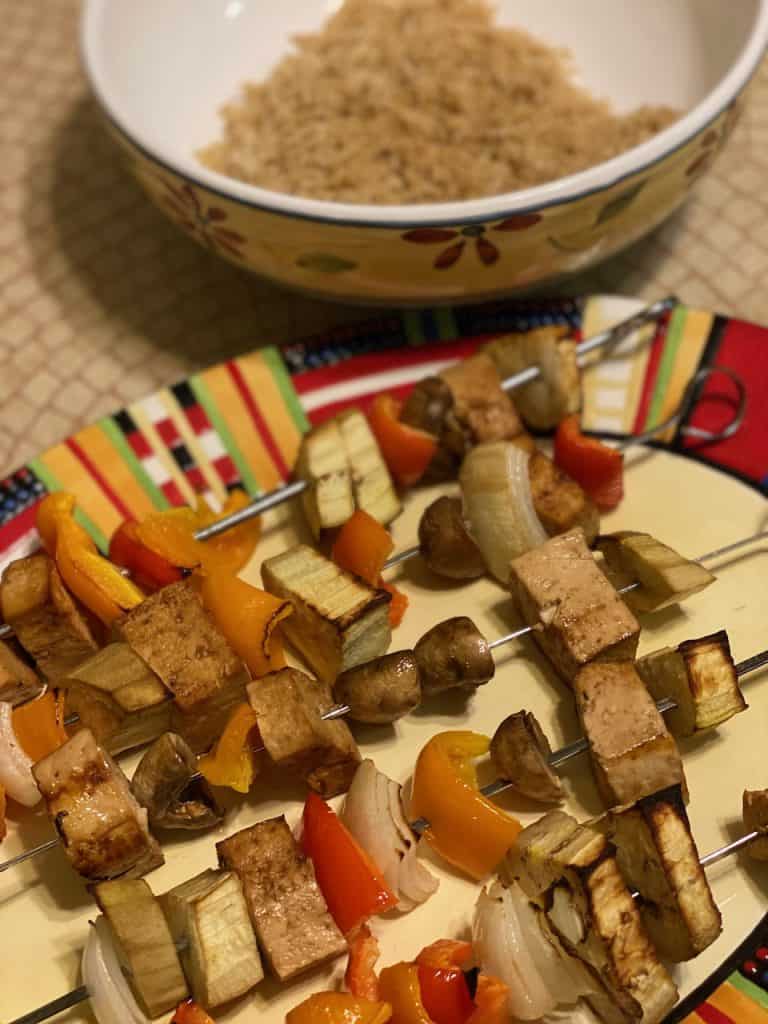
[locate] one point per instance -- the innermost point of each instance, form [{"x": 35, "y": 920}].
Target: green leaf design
[
  {"x": 325, "y": 263},
  {"x": 620, "y": 202}
]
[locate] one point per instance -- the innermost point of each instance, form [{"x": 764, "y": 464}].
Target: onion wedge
[
  {"x": 373, "y": 813},
  {"x": 111, "y": 998},
  {"x": 15, "y": 765},
  {"x": 498, "y": 505}
]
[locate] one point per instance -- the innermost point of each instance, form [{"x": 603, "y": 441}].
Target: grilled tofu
[
  {"x": 373, "y": 489},
  {"x": 118, "y": 697},
  {"x": 47, "y": 622},
  {"x": 288, "y": 912},
  {"x": 101, "y": 826},
  {"x": 633, "y": 753},
  {"x": 556, "y": 393},
  {"x": 657, "y": 855},
  {"x": 700, "y": 676},
  {"x": 289, "y": 706},
  {"x": 664, "y": 576},
  {"x": 338, "y": 620},
  {"x": 144, "y": 944},
  {"x": 577, "y": 614},
  {"x": 18, "y": 682},
  {"x": 329, "y": 499},
  {"x": 178, "y": 639},
  {"x": 755, "y": 815},
  {"x": 561, "y": 504},
  {"x": 209, "y": 921},
  {"x": 572, "y": 870}
]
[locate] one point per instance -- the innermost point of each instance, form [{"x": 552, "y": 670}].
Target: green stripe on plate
[
  {"x": 274, "y": 361},
  {"x": 754, "y": 992},
  {"x": 205, "y": 399},
  {"x": 53, "y": 483},
  {"x": 446, "y": 324},
  {"x": 115, "y": 435},
  {"x": 413, "y": 329},
  {"x": 666, "y": 366}
]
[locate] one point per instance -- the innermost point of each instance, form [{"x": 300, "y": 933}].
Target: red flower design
[
  {"x": 204, "y": 223},
  {"x": 487, "y": 252}
]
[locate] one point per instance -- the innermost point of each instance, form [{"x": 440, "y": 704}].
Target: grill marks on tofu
[
  {"x": 578, "y": 615},
  {"x": 288, "y": 912},
  {"x": 289, "y": 706},
  {"x": 633, "y": 753},
  {"x": 102, "y": 827},
  {"x": 178, "y": 639},
  {"x": 338, "y": 620},
  {"x": 47, "y": 622}
]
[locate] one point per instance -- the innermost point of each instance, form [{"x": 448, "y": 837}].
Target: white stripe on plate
[
  {"x": 610, "y": 399},
  {"x": 154, "y": 408},
  {"x": 371, "y": 383},
  {"x": 607, "y": 424},
  {"x": 613, "y": 371}
]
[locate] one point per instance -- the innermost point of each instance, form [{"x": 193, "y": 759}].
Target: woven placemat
[{"x": 102, "y": 300}]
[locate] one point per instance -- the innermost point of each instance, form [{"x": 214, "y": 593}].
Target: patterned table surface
[{"x": 103, "y": 301}]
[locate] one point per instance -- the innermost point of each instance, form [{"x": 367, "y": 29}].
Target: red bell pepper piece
[
  {"x": 444, "y": 989},
  {"x": 360, "y": 977},
  {"x": 398, "y": 605},
  {"x": 407, "y": 450},
  {"x": 190, "y": 1012},
  {"x": 350, "y": 882},
  {"x": 149, "y": 569},
  {"x": 596, "y": 466}
]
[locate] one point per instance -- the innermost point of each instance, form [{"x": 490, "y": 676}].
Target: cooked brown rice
[{"x": 409, "y": 101}]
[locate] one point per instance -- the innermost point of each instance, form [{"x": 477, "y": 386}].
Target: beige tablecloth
[{"x": 102, "y": 300}]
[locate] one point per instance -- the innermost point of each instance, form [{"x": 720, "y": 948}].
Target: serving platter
[{"x": 241, "y": 422}]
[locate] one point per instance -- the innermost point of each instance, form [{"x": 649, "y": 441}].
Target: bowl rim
[{"x": 447, "y": 214}]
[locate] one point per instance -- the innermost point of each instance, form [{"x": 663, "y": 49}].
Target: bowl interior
[{"x": 164, "y": 70}]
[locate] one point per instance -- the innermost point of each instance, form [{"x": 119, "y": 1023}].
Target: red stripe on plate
[
  {"x": 93, "y": 470},
  {"x": 17, "y": 527},
  {"x": 649, "y": 384},
  {"x": 259, "y": 421},
  {"x": 711, "y": 1015}
]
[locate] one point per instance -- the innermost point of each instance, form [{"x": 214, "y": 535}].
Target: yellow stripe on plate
[
  {"x": 73, "y": 476},
  {"x": 259, "y": 377},
  {"x": 738, "y": 1006},
  {"x": 160, "y": 449},
  {"x": 233, "y": 411},
  {"x": 695, "y": 335},
  {"x": 117, "y": 473},
  {"x": 180, "y": 421}
]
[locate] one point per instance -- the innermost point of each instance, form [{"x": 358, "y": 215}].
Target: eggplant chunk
[
  {"x": 700, "y": 677},
  {"x": 454, "y": 654},
  {"x": 338, "y": 620},
  {"x": 520, "y": 752},
  {"x": 755, "y": 814},
  {"x": 658, "y": 857},
  {"x": 633, "y": 753},
  {"x": 322, "y": 463},
  {"x": 577, "y": 614},
  {"x": 372, "y": 486},
  {"x": 664, "y": 576},
  {"x": 289, "y": 707},
  {"x": 561, "y": 504},
  {"x": 210, "y": 925},
  {"x": 162, "y": 783},
  {"x": 381, "y": 690},
  {"x": 144, "y": 944},
  {"x": 445, "y": 543}
]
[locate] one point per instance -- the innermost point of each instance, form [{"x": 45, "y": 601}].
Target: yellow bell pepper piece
[
  {"x": 399, "y": 986},
  {"x": 338, "y": 1008},
  {"x": 248, "y": 618},
  {"x": 232, "y": 762},
  {"x": 464, "y": 827}
]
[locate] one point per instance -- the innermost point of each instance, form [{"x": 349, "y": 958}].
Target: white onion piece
[
  {"x": 111, "y": 998},
  {"x": 373, "y": 813},
  {"x": 502, "y": 949},
  {"x": 15, "y": 766},
  {"x": 498, "y": 505},
  {"x": 580, "y": 1013}
]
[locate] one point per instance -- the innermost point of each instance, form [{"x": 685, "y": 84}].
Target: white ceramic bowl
[{"x": 161, "y": 71}]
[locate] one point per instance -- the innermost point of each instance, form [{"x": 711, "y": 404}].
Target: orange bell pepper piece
[
  {"x": 233, "y": 549},
  {"x": 39, "y": 725},
  {"x": 3, "y": 827},
  {"x": 362, "y": 546},
  {"x": 596, "y": 466},
  {"x": 352, "y": 885},
  {"x": 491, "y": 1001},
  {"x": 54, "y": 507},
  {"x": 232, "y": 762},
  {"x": 467, "y": 829},
  {"x": 399, "y": 986},
  {"x": 337, "y": 1008},
  {"x": 146, "y": 567},
  {"x": 190, "y": 1012},
  {"x": 407, "y": 451},
  {"x": 444, "y": 989},
  {"x": 248, "y": 618},
  {"x": 360, "y": 977}
]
